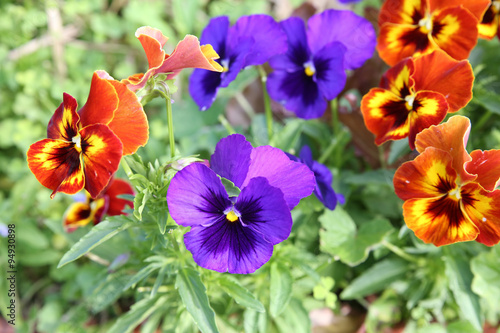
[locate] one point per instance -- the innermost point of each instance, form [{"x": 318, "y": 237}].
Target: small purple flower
[
  {"x": 236, "y": 234},
  {"x": 312, "y": 71},
  {"x": 252, "y": 40},
  {"x": 323, "y": 191}
]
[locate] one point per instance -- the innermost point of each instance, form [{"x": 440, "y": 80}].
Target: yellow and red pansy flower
[
  {"x": 187, "y": 54},
  {"x": 416, "y": 27},
  {"x": 488, "y": 27},
  {"x": 83, "y": 149},
  {"x": 415, "y": 94},
  {"x": 451, "y": 196},
  {"x": 80, "y": 214}
]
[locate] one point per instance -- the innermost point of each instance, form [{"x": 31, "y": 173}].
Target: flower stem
[
  {"x": 399, "y": 252},
  {"x": 226, "y": 124},
  {"x": 170, "y": 123},
  {"x": 267, "y": 102},
  {"x": 334, "y": 104},
  {"x": 126, "y": 167}
]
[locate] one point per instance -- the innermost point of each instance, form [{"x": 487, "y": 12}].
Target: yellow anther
[
  {"x": 77, "y": 140},
  {"x": 409, "y": 102},
  {"x": 310, "y": 70},
  {"x": 231, "y": 216}
]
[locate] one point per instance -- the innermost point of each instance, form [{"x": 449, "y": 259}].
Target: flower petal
[
  {"x": 215, "y": 34},
  {"x": 64, "y": 123},
  {"x": 102, "y": 152},
  {"x": 298, "y": 52},
  {"x": 429, "y": 175},
  {"x": 196, "y": 196},
  {"x": 475, "y": 7},
  {"x": 77, "y": 215},
  {"x": 451, "y": 137},
  {"x": 440, "y": 73},
  {"x": 152, "y": 41},
  {"x": 264, "y": 210},
  {"x": 402, "y": 12},
  {"x": 488, "y": 26},
  {"x": 203, "y": 87},
  {"x": 117, "y": 205},
  {"x": 399, "y": 78},
  {"x": 231, "y": 158},
  {"x": 56, "y": 164},
  {"x": 355, "y": 32},
  {"x": 330, "y": 75},
  {"x": 483, "y": 208},
  {"x": 294, "y": 179},
  {"x": 486, "y": 165},
  {"x": 101, "y": 103}
]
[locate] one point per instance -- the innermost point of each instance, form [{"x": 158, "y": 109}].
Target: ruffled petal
[
  {"x": 298, "y": 52},
  {"x": 215, "y": 34},
  {"x": 56, "y": 164},
  {"x": 402, "y": 12},
  {"x": 330, "y": 75},
  {"x": 354, "y": 32},
  {"x": 64, "y": 123},
  {"x": 264, "y": 210},
  {"x": 476, "y": 7},
  {"x": 399, "y": 78},
  {"x": 117, "y": 205},
  {"x": 440, "y": 73},
  {"x": 429, "y": 175},
  {"x": 231, "y": 158},
  {"x": 486, "y": 165},
  {"x": 203, "y": 87},
  {"x": 152, "y": 41},
  {"x": 483, "y": 208},
  {"x": 101, "y": 103},
  {"x": 294, "y": 179},
  {"x": 196, "y": 196},
  {"x": 101, "y": 152}
]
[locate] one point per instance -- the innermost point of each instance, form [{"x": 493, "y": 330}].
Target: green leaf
[
  {"x": 460, "y": 279},
  {"x": 375, "y": 279},
  {"x": 341, "y": 239},
  {"x": 240, "y": 294},
  {"x": 142, "y": 274},
  {"x": 137, "y": 314},
  {"x": 231, "y": 189},
  {"x": 294, "y": 319},
  {"x": 486, "y": 281},
  {"x": 250, "y": 320},
  {"x": 97, "y": 235},
  {"x": 281, "y": 288},
  {"x": 194, "y": 295},
  {"x": 288, "y": 137},
  {"x": 379, "y": 177},
  {"x": 461, "y": 327},
  {"x": 486, "y": 98},
  {"x": 107, "y": 291}
]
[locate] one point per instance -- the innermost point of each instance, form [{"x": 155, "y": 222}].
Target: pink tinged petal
[
  {"x": 231, "y": 158},
  {"x": 152, "y": 41},
  {"x": 64, "y": 123},
  {"x": 294, "y": 179},
  {"x": 101, "y": 152},
  {"x": 486, "y": 165}
]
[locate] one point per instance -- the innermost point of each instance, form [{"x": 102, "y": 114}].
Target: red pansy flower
[
  {"x": 415, "y": 94},
  {"x": 451, "y": 196}
]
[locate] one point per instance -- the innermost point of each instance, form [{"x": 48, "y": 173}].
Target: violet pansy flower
[
  {"x": 236, "y": 234},
  {"x": 324, "y": 190},
  {"x": 312, "y": 71},
  {"x": 252, "y": 40}
]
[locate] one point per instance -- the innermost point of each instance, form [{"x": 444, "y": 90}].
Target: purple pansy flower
[
  {"x": 237, "y": 233},
  {"x": 323, "y": 191},
  {"x": 252, "y": 40},
  {"x": 312, "y": 71}
]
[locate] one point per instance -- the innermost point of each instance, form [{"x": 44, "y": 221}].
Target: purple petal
[
  {"x": 348, "y": 1},
  {"x": 215, "y": 34},
  {"x": 264, "y": 210},
  {"x": 355, "y": 32},
  {"x": 306, "y": 155},
  {"x": 330, "y": 74},
  {"x": 294, "y": 179},
  {"x": 249, "y": 251},
  {"x": 196, "y": 196},
  {"x": 297, "y": 92},
  {"x": 298, "y": 52},
  {"x": 269, "y": 39},
  {"x": 235, "y": 60},
  {"x": 231, "y": 158},
  {"x": 203, "y": 86},
  {"x": 324, "y": 191}
]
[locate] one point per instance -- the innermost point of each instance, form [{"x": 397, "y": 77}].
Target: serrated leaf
[
  {"x": 96, "y": 236},
  {"x": 137, "y": 314},
  {"x": 341, "y": 239},
  {"x": 240, "y": 294},
  {"x": 194, "y": 296},
  {"x": 376, "y": 278},
  {"x": 281, "y": 288}
]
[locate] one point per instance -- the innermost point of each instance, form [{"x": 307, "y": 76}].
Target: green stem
[
  {"x": 226, "y": 124},
  {"x": 170, "y": 121},
  {"x": 126, "y": 167},
  {"x": 399, "y": 252},
  {"x": 267, "y": 102},
  {"x": 328, "y": 151},
  {"x": 480, "y": 123},
  {"x": 334, "y": 104}
]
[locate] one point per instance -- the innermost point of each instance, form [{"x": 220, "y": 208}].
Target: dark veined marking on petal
[
  {"x": 445, "y": 185},
  {"x": 448, "y": 207},
  {"x": 416, "y": 37},
  {"x": 489, "y": 16},
  {"x": 213, "y": 231},
  {"x": 83, "y": 214},
  {"x": 437, "y": 28},
  {"x": 416, "y": 16},
  {"x": 250, "y": 209},
  {"x": 405, "y": 91},
  {"x": 213, "y": 201},
  {"x": 396, "y": 110},
  {"x": 240, "y": 230}
]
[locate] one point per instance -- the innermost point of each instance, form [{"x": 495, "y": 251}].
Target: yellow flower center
[
  {"x": 77, "y": 140},
  {"x": 455, "y": 193},
  {"x": 425, "y": 24},
  {"x": 309, "y": 68},
  {"x": 231, "y": 216},
  {"x": 495, "y": 6},
  {"x": 409, "y": 102}
]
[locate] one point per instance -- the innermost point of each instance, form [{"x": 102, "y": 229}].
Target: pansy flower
[
  {"x": 488, "y": 27},
  {"x": 187, "y": 54},
  {"x": 416, "y": 27},
  {"x": 80, "y": 214},
  {"x": 312, "y": 71},
  {"x": 415, "y": 94},
  {"x": 236, "y": 232},
  {"x": 251, "y": 41},
  {"x": 83, "y": 149},
  {"x": 451, "y": 196},
  {"x": 323, "y": 190}
]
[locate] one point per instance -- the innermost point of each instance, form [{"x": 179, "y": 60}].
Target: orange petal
[
  {"x": 152, "y": 41},
  {"x": 398, "y": 79},
  {"x": 483, "y": 208},
  {"x": 402, "y": 11},
  {"x": 455, "y": 31},
  {"x": 429, "y": 175},
  {"x": 101, "y": 103},
  {"x": 64, "y": 123},
  {"x": 102, "y": 151},
  {"x": 439, "y": 221},
  {"x": 56, "y": 164},
  {"x": 80, "y": 214},
  {"x": 475, "y": 7},
  {"x": 486, "y": 165},
  {"x": 441, "y": 73},
  {"x": 451, "y": 137},
  {"x": 488, "y": 27},
  {"x": 116, "y": 188}
]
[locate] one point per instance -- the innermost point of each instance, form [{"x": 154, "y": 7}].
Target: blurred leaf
[
  {"x": 280, "y": 289},
  {"x": 380, "y": 177},
  {"x": 486, "y": 281},
  {"x": 488, "y": 99},
  {"x": 461, "y": 327},
  {"x": 240, "y": 294},
  {"x": 258, "y": 130},
  {"x": 107, "y": 291},
  {"x": 137, "y": 314},
  {"x": 193, "y": 294},
  {"x": 294, "y": 319},
  {"x": 288, "y": 137}
]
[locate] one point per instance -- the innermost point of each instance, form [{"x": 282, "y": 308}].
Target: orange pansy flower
[
  {"x": 80, "y": 214},
  {"x": 488, "y": 27},
  {"x": 451, "y": 196},
  {"x": 187, "y": 54},
  {"x": 417, "y": 27},
  {"x": 415, "y": 94}
]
